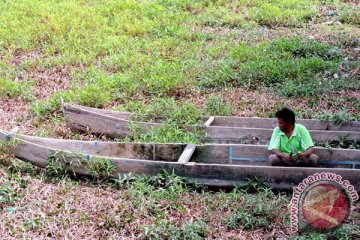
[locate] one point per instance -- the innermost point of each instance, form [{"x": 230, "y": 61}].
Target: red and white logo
[{"x": 321, "y": 201}]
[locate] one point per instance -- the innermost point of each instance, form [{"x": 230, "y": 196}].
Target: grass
[
  {"x": 147, "y": 53},
  {"x": 11, "y": 190},
  {"x": 158, "y": 207},
  {"x": 339, "y": 117},
  {"x": 100, "y": 167},
  {"x": 176, "y": 60},
  {"x": 62, "y": 163},
  {"x": 13, "y": 89},
  {"x": 350, "y": 14}
]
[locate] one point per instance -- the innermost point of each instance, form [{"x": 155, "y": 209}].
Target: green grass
[
  {"x": 151, "y": 57},
  {"x": 12, "y": 88},
  {"x": 350, "y": 14},
  {"x": 11, "y": 190},
  {"x": 282, "y": 12},
  {"x": 164, "y": 48},
  {"x": 293, "y": 68}
]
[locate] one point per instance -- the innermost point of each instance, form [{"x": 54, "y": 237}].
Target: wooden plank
[
  {"x": 209, "y": 121},
  {"x": 85, "y": 119},
  {"x": 112, "y": 113},
  {"x": 246, "y": 154},
  {"x": 311, "y": 124},
  {"x": 212, "y": 173},
  {"x": 4, "y": 136},
  {"x": 249, "y": 122},
  {"x": 282, "y": 178},
  {"x": 210, "y": 153},
  {"x": 237, "y": 134},
  {"x": 186, "y": 155}
]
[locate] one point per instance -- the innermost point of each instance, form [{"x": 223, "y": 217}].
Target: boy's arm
[
  {"x": 284, "y": 156},
  {"x": 306, "y": 154}
]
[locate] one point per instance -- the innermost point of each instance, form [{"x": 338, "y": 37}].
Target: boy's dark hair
[{"x": 286, "y": 114}]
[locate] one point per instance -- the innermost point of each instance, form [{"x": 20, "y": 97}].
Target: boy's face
[{"x": 284, "y": 126}]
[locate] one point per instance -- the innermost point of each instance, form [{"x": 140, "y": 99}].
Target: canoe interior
[
  {"x": 110, "y": 123},
  {"x": 226, "y": 154},
  {"x": 311, "y": 124},
  {"x": 155, "y": 152},
  {"x": 227, "y": 121},
  {"x": 215, "y": 164}
]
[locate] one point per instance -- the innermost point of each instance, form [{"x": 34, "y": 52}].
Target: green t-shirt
[{"x": 299, "y": 141}]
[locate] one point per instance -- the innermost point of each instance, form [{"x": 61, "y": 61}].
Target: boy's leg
[
  {"x": 274, "y": 160},
  {"x": 310, "y": 161},
  {"x": 313, "y": 159}
]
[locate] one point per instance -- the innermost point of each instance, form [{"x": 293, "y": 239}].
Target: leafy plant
[
  {"x": 166, "y": 133},
  {"x": 350, "y": 14},
  {"x": 125, "y": 180},
  {"x": 7, "y": 151},
  {"x": 189, "y": 230},
  {"x": 13, "y": 88},
  {"x": 342, "y": 142},
  {"x": 255, "y": 185},
  {"x": 282, "y": 13},
  {"x": 166, "y": 110},
  {"x": 61, "y": 163},
  {"x": 100, "y": 167},
  {"x": 240, "y": 217},
  {"x": 216, "y": 106},
  {"x": 339, "y": 117},
  {"x": 11, "y": 189}
]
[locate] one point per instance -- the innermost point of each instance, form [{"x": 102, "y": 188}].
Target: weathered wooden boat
[
  {"x": 217, "y": 129},
  {"x": 210, "y": 164}
]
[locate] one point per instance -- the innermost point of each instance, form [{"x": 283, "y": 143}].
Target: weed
[
  {"x": 282, "y": 13},
  {"x": 42, "y": 107},
  {"x": 189, "y": 230},
  {"x": 165, "y": 109},
  {"x": 289, "y": 67},
  {"x": 11, "y": 189},
  {"x": 350, "y": 14},
  {"x": 216, "y": 106},
  {"x": 12, "y": 88},
  {"x": 339, "y": 117},
  {"x": 342, "y": 142},
  {"x": 100, "y": 167},
  {"x": 344, "y": 232},
  {"x": 17, "y": 165},
  {"x": 33, "y": 223},
  {"x": 166, "y": 133},
  {"x": 194, "y": 230},
  {"x": 255, "y": 185},
  {"x": 61, "y": 163},
  {"x": 221, "y": 74},
  {"x": 240, "y": 217},
  {"x": 125, "y": 180},
  {"x": 7, "y": 151}
]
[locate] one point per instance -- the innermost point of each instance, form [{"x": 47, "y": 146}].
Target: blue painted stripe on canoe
[
  {"x": 249, "y": 159},
  {"x": 353, "y": 164}
]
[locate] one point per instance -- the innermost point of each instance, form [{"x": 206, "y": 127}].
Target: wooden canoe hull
[
  {"x": 246, "y": 122},
  {"x": 212, "y": 164},
  {"x": 254, "y": 130}
]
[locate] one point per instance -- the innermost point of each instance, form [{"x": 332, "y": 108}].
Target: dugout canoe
[
  {"x": 210, "y": 164},
  {"x": 217, "y": 129}
]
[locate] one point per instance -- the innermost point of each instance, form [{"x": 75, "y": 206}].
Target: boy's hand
[
  {"x": 288, "y": 158},
  {"x": 301, "y": 156}
]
